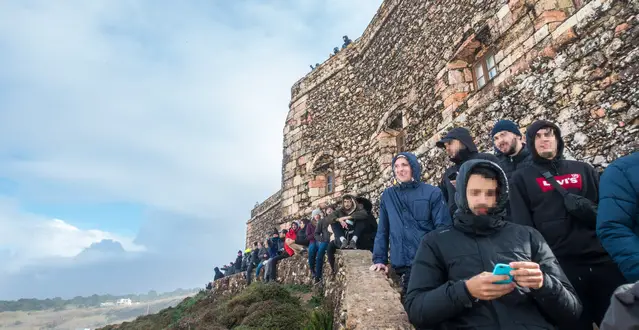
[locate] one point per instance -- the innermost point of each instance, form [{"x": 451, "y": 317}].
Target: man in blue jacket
[
  {"x": 408, "y": 210},
  {"x": 618, "y": 214}
]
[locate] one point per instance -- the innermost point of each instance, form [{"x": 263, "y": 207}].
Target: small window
[
  {"x": 330, "y": 184},
  {"x": 485, "y": 70}
]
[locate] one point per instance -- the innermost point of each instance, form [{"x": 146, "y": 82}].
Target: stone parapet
[{"x": 359, "y": 298}]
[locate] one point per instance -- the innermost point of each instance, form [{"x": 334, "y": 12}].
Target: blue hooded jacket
[
  {"x": 407, "y": 212},
  {"x": 618, "y": 214}
]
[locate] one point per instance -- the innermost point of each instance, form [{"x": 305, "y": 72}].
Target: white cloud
[
  {"x": 29, "y": 238},
  {"x": 177, "y": 106}
]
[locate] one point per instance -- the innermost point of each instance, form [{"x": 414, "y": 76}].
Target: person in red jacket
[{"x": 290, "y": 238}]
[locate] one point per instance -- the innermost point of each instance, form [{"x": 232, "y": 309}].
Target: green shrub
[{"x": 320, "y": 319}]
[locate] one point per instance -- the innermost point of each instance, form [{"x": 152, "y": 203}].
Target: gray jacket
[
  {"x": 623, "y": 312},
  {"x": 321, "y": 230}
]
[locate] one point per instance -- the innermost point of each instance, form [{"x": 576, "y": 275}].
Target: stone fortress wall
[{"x": 410, "y": 78}]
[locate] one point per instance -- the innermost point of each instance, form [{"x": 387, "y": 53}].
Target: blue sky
[{"x": 153, "y": 124}]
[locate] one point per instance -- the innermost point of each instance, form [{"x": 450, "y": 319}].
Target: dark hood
[
  {"x": 465, "y": 220},
  {"x": 531, "y": 132},
  {"x": 414, "y": 166},
  {"x": 463, "y": 135}
]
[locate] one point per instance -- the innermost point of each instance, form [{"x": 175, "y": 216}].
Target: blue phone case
[{"x": 503, "y": 269}]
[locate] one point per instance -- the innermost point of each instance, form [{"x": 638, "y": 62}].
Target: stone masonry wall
[
  {"x": 264, "y": 217},
  {"x": 359, "y": 298},
  {"x": 410, "y": 78}
]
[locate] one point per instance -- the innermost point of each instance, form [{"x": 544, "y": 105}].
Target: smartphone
[{"x": 503, "y": 269}]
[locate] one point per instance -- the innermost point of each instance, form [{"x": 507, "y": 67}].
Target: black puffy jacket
[{"x": 437, "y": 297}]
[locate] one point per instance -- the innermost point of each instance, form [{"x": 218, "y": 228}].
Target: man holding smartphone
[
  {"x": 459, "y": 147},
  {"x": 452, "y": 285}
]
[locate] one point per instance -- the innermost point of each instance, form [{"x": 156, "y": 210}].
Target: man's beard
[
  {"x": 513, "y": 148},
  {"x": 547, "y": 154}
]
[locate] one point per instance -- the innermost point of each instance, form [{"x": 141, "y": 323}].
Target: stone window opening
[
  {"x": 330, "y": 183},
  {"x": 484, "y": 70}
]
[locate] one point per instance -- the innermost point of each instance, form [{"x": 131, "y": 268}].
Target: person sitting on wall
[
  {"x": 289, "y": 235},
  {"x": 350, "y": 216},
  {"x": 275, "y": 246},
  {"x": 323, "y": 239},
  {"x": 254, "y": 260},
  {"x": 238, "y": 262},
  {"x": 264, "y": 256},
  {"x": 245, "y": 259},
  {"x": 347, "y": 42},
  {"x": 316, "y": 216},
  {"x": 301, "y": 240},
  {"x": 218, "y": 274}
]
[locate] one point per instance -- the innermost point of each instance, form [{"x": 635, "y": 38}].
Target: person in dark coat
[
  {"x": 238, "y": 262},
  {"x": 407, "y": 211},
  {"x": 536, "y": 203},
  {"x": 618, "y": 214},
  {"x": 323, "y": 239},
  {"x": 218, "y": 274},
  {"x": 349, "y": 214},
  {"x": 460, "y": 147},
  {"x": 510, "y": 148},
  {"x": 254, "y": 260},
  {"x": 452, "y": 285}
]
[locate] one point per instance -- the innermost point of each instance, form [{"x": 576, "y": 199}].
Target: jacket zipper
[{"x": 491, "y": 306}]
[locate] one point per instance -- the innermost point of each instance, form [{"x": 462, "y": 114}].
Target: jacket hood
[
  {"x": 412, "y": 161},
  {"x": 353, "y": 201},
  {"x": 462, "y": 180},
  {"x": 216, "y": 269},
  {"x": 531, "y": 132},
  {"x": 461, "y": 134}
]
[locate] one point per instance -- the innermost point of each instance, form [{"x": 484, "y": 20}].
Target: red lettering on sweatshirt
[{"x": 567, "y": 181}]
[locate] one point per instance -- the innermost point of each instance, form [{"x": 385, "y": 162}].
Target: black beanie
[{"x": 505, "y": 125}]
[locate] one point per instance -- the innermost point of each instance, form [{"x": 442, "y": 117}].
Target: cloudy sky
[{"x": 135, "y": 136}]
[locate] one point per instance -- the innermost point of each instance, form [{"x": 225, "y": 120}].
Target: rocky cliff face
[{"x": 413, "y": 76}]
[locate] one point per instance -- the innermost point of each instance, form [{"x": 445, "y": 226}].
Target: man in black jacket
[
  {"x": 254, "y": 260},
  {"x": 460, "y": 147},
  {"x": 510, "y": 148},
  {"x": 573, "y": 239},
  {"x": 451, "y": 286},
  {"x": 218, "y": 274}
]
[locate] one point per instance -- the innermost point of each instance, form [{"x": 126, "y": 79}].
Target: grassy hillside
[{"x": 260, "y": 306}]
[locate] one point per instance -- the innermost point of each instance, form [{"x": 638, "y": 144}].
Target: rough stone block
[
  {"x": 564, "y": 38},
  {"x": 455, "y": 77},
  {"x": 545, "y": 5},
  {"x": 549, "y": 16},
  {"x": 621, "y": 28},
  {"x": 457, "y": 64},
  {"x": 455, "y": 98}
]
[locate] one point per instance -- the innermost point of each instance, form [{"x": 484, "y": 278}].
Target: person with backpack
[{"x": 558, "y": 198}]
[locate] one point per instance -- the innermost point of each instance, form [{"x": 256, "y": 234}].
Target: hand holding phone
[{"x": 503, "y": 269}]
